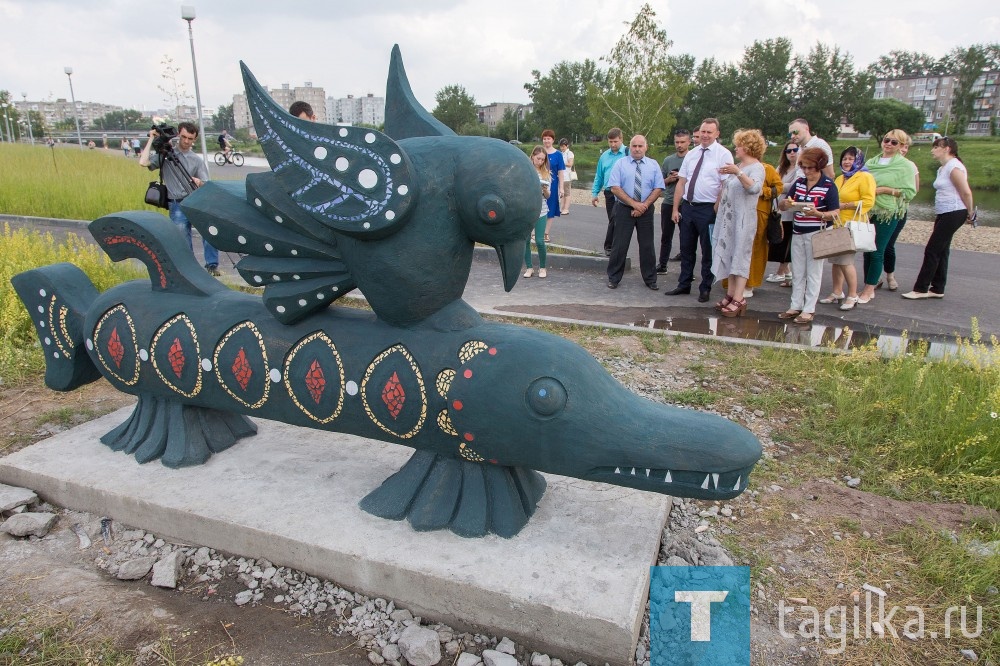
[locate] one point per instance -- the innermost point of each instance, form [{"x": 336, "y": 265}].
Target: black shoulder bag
[{"x": 156, "y": 193}]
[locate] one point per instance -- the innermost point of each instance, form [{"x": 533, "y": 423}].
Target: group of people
[
  {"x": 556, "y": 173},
  {"x": 721, "y": 204}
]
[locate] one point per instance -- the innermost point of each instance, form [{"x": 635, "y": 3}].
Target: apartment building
[
  {"x": 284, "y": 96},
  {"x": 368, "y": 109},
  {"x": 934, "y": 95}
]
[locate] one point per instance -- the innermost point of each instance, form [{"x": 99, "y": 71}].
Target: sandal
[
  {"x": 735, "y": 308},
  {"x": 726, "y": 300},
  {"x": 789, "y": 314},
  {"x": 804, "y": 318},
  {"x": 546, "y": 238},
  {"x": 862, "y": 300},
  {"x": 832, "y": 298},
  {"x": 849, "y": 303}
]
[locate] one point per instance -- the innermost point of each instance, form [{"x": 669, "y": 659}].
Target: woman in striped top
[{"x": 815, "y": 200}]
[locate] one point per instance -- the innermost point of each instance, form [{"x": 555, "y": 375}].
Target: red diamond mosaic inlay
[
  {"x": 115, "y": 347},
  {"x": 315, "y": 381},
  {"x": 393, "y": 395},
  {"x": 176, "y": 357},
  {"x": 241, "y": 369}
]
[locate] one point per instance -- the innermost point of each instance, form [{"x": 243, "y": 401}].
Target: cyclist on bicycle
[{"x": 225, "y": 143}]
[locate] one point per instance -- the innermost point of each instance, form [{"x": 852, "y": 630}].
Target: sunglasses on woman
[
  {"x": 890, "y": 141},
  {"x": 791, "y": 150}
]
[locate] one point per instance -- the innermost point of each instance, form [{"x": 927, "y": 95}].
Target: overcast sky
[{"x": 115, "y": 47}]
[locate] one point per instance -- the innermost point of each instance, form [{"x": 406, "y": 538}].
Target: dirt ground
[{"x": 807, "y": 540}]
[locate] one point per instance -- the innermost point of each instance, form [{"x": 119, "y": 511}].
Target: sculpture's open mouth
[{"x": 686, "y": 483}]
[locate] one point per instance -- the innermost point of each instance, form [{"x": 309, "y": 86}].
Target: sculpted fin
[{"x": 405, "y": 118}]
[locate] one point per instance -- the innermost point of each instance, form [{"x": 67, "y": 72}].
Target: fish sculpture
[{"x": 486, "y": 406}]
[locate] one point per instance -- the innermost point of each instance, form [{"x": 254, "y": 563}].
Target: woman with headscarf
[
  {"x": 894, "y": 187},
  {"x": 856, "y": 187}
]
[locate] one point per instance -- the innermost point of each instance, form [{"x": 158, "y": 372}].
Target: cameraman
[{"x": 177, "y": 182}]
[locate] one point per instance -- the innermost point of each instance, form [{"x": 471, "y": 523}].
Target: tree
[
  {"x": 967, "y": 65},
  {"x": 827, "y": 89},
  {"x": 176, "y": 94},
  {"x": 129, "y": 119},
  {"x": 224, "y": 118},
  {"x": 713, "y": 97},
  {"x": 764, "y": 86},
  {"x": 560, "y": 97},
  {"x": 643, "y": 86},
  {"x": 899, "y": 64},
  {"x": 455, "y": 107},
  {"x": 878, "y": 116}
]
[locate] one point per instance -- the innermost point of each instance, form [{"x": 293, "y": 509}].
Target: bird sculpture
[{"x": 486, "y": 405}]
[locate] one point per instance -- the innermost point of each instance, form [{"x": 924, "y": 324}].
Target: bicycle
[{"x": 234, "y": 157}]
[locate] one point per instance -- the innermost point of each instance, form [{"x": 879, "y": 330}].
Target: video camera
[{"x": 164, "y": 134}]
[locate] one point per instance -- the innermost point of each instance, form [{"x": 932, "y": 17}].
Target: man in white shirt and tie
[
  {"x": 636, "y": 181},
  {"x": 696, "y": 199}
]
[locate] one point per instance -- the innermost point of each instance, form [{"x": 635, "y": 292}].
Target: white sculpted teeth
[
  {"x": 633, "y": 471},
  {"x": 647, "y": 471},
  {"x": 715, "y": 480},
  {"x": 738, "y": 479},
  {"x": 668, "y": 478},
  {"x": 618, "y": 470},
  {"x": 704, "y": 484}
]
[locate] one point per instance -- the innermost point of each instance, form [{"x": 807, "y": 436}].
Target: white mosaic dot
[
  {"x": 341, "y": 164},
  {"x": 336, "y": 289},
  {"x": 143, "y": 355},
  {"x": 390, "y": 215},
  {"x": 41, "y": 322},
  {"x": 367, "y": 178},
  {"x": 258, "y": 279},
  {"x": 369, "y": 138},
  {"x": 41, "y": 309},
  {"x": 367, "y": 225},
  {"x": 403, "y": 189},
  {"x": 276, "y": 278},
  {"x": 48, "y": 341},
  {"x": 320, "y": 153},
  {"x": 55, "y": 354},
  {"x": 275, "y": 375},
  {"x": 90, "y": 344},
  {"x": 343, "y": 131},
  {"x": 320, "y": 296},
  {"x": 295, "y": 253},
  {"x": 280, "y": 309},
  {"x": 41, "y": 292},
  {"x": 303, "y": 302},
  {"x": 395, "y": 158},
  {"x": 351, "y": 387},
  {"x": 296, "y": 276},
  {"x": 278, "y": 219},
  {"x": 214, "y": 231},
  {"x": 268, "y": 247},
  {"x": 242, "y": 240},
  {"x": 257, "y": 203},
  {"x": 206, "y": 364}
]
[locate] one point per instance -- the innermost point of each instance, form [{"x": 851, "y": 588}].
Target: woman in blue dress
[{"x": 556, "y": 167}]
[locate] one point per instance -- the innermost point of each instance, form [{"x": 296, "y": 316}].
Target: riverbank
[{"x": 916, "y": 232}]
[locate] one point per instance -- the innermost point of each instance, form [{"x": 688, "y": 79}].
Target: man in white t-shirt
[{"x": 800, "y": 134}]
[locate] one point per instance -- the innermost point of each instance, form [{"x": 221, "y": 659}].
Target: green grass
[
  {"x": 52, "y": 640},
  {"x": 20, "y": 354}
]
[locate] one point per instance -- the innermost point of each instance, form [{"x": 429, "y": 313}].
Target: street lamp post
[
  {"x": 6, "y": 120},
  {"x": 3, "y": 128},
  {"x": 76, "y": 115},
  {"x": 27, "y": 115},
  {"x": 188, "y": 14}
]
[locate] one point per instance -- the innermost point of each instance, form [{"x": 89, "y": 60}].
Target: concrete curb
[{"x": 586, "y": 263}]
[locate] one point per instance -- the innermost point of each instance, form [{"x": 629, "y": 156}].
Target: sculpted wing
[{"x": 355, "y": 180}]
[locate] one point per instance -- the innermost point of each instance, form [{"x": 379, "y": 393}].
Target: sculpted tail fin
[{"x": 57, "y": 298}]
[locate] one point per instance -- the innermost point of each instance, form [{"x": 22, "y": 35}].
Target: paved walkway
[{"x": 581, "y": 293}]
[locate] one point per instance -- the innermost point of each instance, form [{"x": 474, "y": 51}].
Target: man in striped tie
[{"x": 636, "y": 181}]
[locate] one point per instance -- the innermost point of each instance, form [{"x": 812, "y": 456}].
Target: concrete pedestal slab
[{"x": 573, "y": 583}]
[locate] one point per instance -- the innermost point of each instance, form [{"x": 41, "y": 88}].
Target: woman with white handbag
[{"x": 857, "y": 196}]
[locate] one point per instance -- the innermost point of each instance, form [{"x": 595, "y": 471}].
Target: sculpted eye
[
  {"x": 491, "y": 209},
  {"x": 546, "y": 396}
]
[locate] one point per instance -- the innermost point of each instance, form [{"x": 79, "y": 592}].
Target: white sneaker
[
  {"x": 529, "y": 272},
  {"x": 748, "y": 293},
  {"x": 778, "y": 277}
]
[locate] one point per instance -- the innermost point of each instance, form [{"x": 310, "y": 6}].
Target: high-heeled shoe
[
  {"x": 849, "y": 303},
  {"x": 735, "y": 308},
  {"x": 789, "y": 314},
  {"x": 726, "y": 300},
  {"x": 529, "y": 272},
  {"x": 832, "y": 298},
  {"x": 890, "y": 281},
  {"x": 862, "y": 299}
]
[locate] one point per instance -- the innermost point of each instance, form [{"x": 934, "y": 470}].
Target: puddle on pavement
[{"x": 812, "y": 335}]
